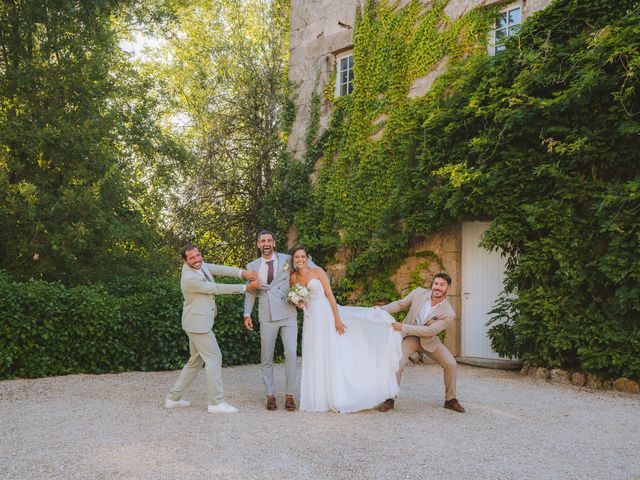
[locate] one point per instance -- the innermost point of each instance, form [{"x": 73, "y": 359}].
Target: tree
[
  {"x": 224, "y": 72},
  {"x": 82, "y": 161}
]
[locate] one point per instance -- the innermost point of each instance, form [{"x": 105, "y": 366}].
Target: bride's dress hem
[{"x": 351, "y": 372}]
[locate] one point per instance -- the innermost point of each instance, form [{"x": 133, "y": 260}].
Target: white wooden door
[{"x": 482, "y": 275}]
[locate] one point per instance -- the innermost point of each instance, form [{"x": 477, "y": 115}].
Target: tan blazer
[
  {"x": 440, "y": 318},
  {"x": 199, "y": 308}
]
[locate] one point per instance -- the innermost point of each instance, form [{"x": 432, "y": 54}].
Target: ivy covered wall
[
  {"x": 542, "y": 139},
  {"x": 361, "y": 163}
]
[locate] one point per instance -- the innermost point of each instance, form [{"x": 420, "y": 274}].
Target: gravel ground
[{"x": 115, "y": 427}]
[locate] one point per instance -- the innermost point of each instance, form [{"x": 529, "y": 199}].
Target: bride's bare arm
[{"x": 324, "y": 279}]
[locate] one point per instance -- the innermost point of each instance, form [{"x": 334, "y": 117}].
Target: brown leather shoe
[
  {"x": 387, "y": 405},
  {"x": 271, "y": 403},
  {"x": 289, "y": 404},
  {"x": 454, "y": 405}
]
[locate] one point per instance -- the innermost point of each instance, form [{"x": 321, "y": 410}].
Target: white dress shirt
[
  {"x": 264, "y": 269},
  {"x": 425, "y": 311}
]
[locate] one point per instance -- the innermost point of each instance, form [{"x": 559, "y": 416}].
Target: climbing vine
[
  {"x": 367, "y": 158},
  {"x": 543, "y": 139}
]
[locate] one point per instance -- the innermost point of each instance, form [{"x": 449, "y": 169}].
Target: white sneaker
[
  {"x": 168, "y": 403},
  {"x": 222, "y": 408}
]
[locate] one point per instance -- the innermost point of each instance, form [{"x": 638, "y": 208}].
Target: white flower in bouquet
[{"x": 298, "y": 294}]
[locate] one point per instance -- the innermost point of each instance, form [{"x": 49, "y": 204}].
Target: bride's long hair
[{"x": 295, "y": 249}]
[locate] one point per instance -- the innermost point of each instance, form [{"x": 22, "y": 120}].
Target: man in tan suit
[
  {"x": 429, "y": 314},
  {"x": 198, "y": 313}
]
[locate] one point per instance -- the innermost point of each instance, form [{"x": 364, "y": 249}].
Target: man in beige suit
[
  {"x": 429, "y": 314},
  {"x": 198, "y": 313}
]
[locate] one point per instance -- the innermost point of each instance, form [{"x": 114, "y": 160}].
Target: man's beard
[{"x": 266, "y": 251}]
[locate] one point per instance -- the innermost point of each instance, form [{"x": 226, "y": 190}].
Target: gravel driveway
[{"x": 115, "y": 427}]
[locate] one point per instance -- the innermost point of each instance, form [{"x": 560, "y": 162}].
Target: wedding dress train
[{"x": 350, "y": 372}]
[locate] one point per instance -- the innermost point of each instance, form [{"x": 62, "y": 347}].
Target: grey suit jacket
[
  {"x": 199, "y": 308},
  {"x": 272, "y": 304},
  {"x": 440, "y": 318}
]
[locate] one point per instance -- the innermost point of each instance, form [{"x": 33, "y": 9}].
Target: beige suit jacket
[
  {"x": 199, "y": 308},
  {"x": 439, "y": 319}
]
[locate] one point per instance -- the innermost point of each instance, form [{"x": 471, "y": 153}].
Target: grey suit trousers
[{"x": 289, "y": 334}]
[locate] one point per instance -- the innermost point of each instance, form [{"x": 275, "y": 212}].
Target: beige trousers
[
  {"x": 441, "y": 355},
  {"x": 204, "y": 351}
]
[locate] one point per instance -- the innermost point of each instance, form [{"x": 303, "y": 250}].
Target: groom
[
  {"x": 276, "y": 316},
  {"x": 429, "y": 314}
]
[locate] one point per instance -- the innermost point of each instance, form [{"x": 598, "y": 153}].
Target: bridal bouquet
[{"x": 298, "y": 294}]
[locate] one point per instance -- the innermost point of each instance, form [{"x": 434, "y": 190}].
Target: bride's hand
[{"x": 340, "y": 327}]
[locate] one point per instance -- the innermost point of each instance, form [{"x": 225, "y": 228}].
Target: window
[
  {"x": 507, "y": 24},
  {"x": 344, "y": 74}
]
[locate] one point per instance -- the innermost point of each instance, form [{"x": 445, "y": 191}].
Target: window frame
[
  {"x": 493, "y": 47},
  {"x": 345, "y": 55}
]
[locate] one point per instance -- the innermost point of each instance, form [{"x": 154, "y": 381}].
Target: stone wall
[
  {"x": 580, "y": 379},
  {"x": 320, "y": 29},
  {"x": 456, "y": 8},
  {"x": 446, "y": 247},
  {"x": 440, "y": 252}
]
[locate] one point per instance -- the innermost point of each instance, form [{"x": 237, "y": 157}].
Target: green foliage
[
  {"x": 360, "y": 198},
  {"x": 49, "y": 329},
  {"x": 291, "y": 186},
  {"x": 98, "y": 184},
  {"x": 82, "y": 161},
  {"x": 549, "y": 145},
  {"x": 543, "y": 139},
  {"x": 223, "y": 71}
]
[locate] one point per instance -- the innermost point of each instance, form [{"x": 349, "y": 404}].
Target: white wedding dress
[{"x": 350, "y": 372}]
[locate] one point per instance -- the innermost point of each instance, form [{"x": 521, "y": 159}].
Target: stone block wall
[
  {"x": 440, "y": 252},
  {"x": 446, "y": 246},
  {"x": 320, "y": 29}
]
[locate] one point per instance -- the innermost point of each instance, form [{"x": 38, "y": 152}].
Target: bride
[{"x": 350, "y": 355}]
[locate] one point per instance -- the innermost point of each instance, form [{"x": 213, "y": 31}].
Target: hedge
[{"x": 49, "y": 329}]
